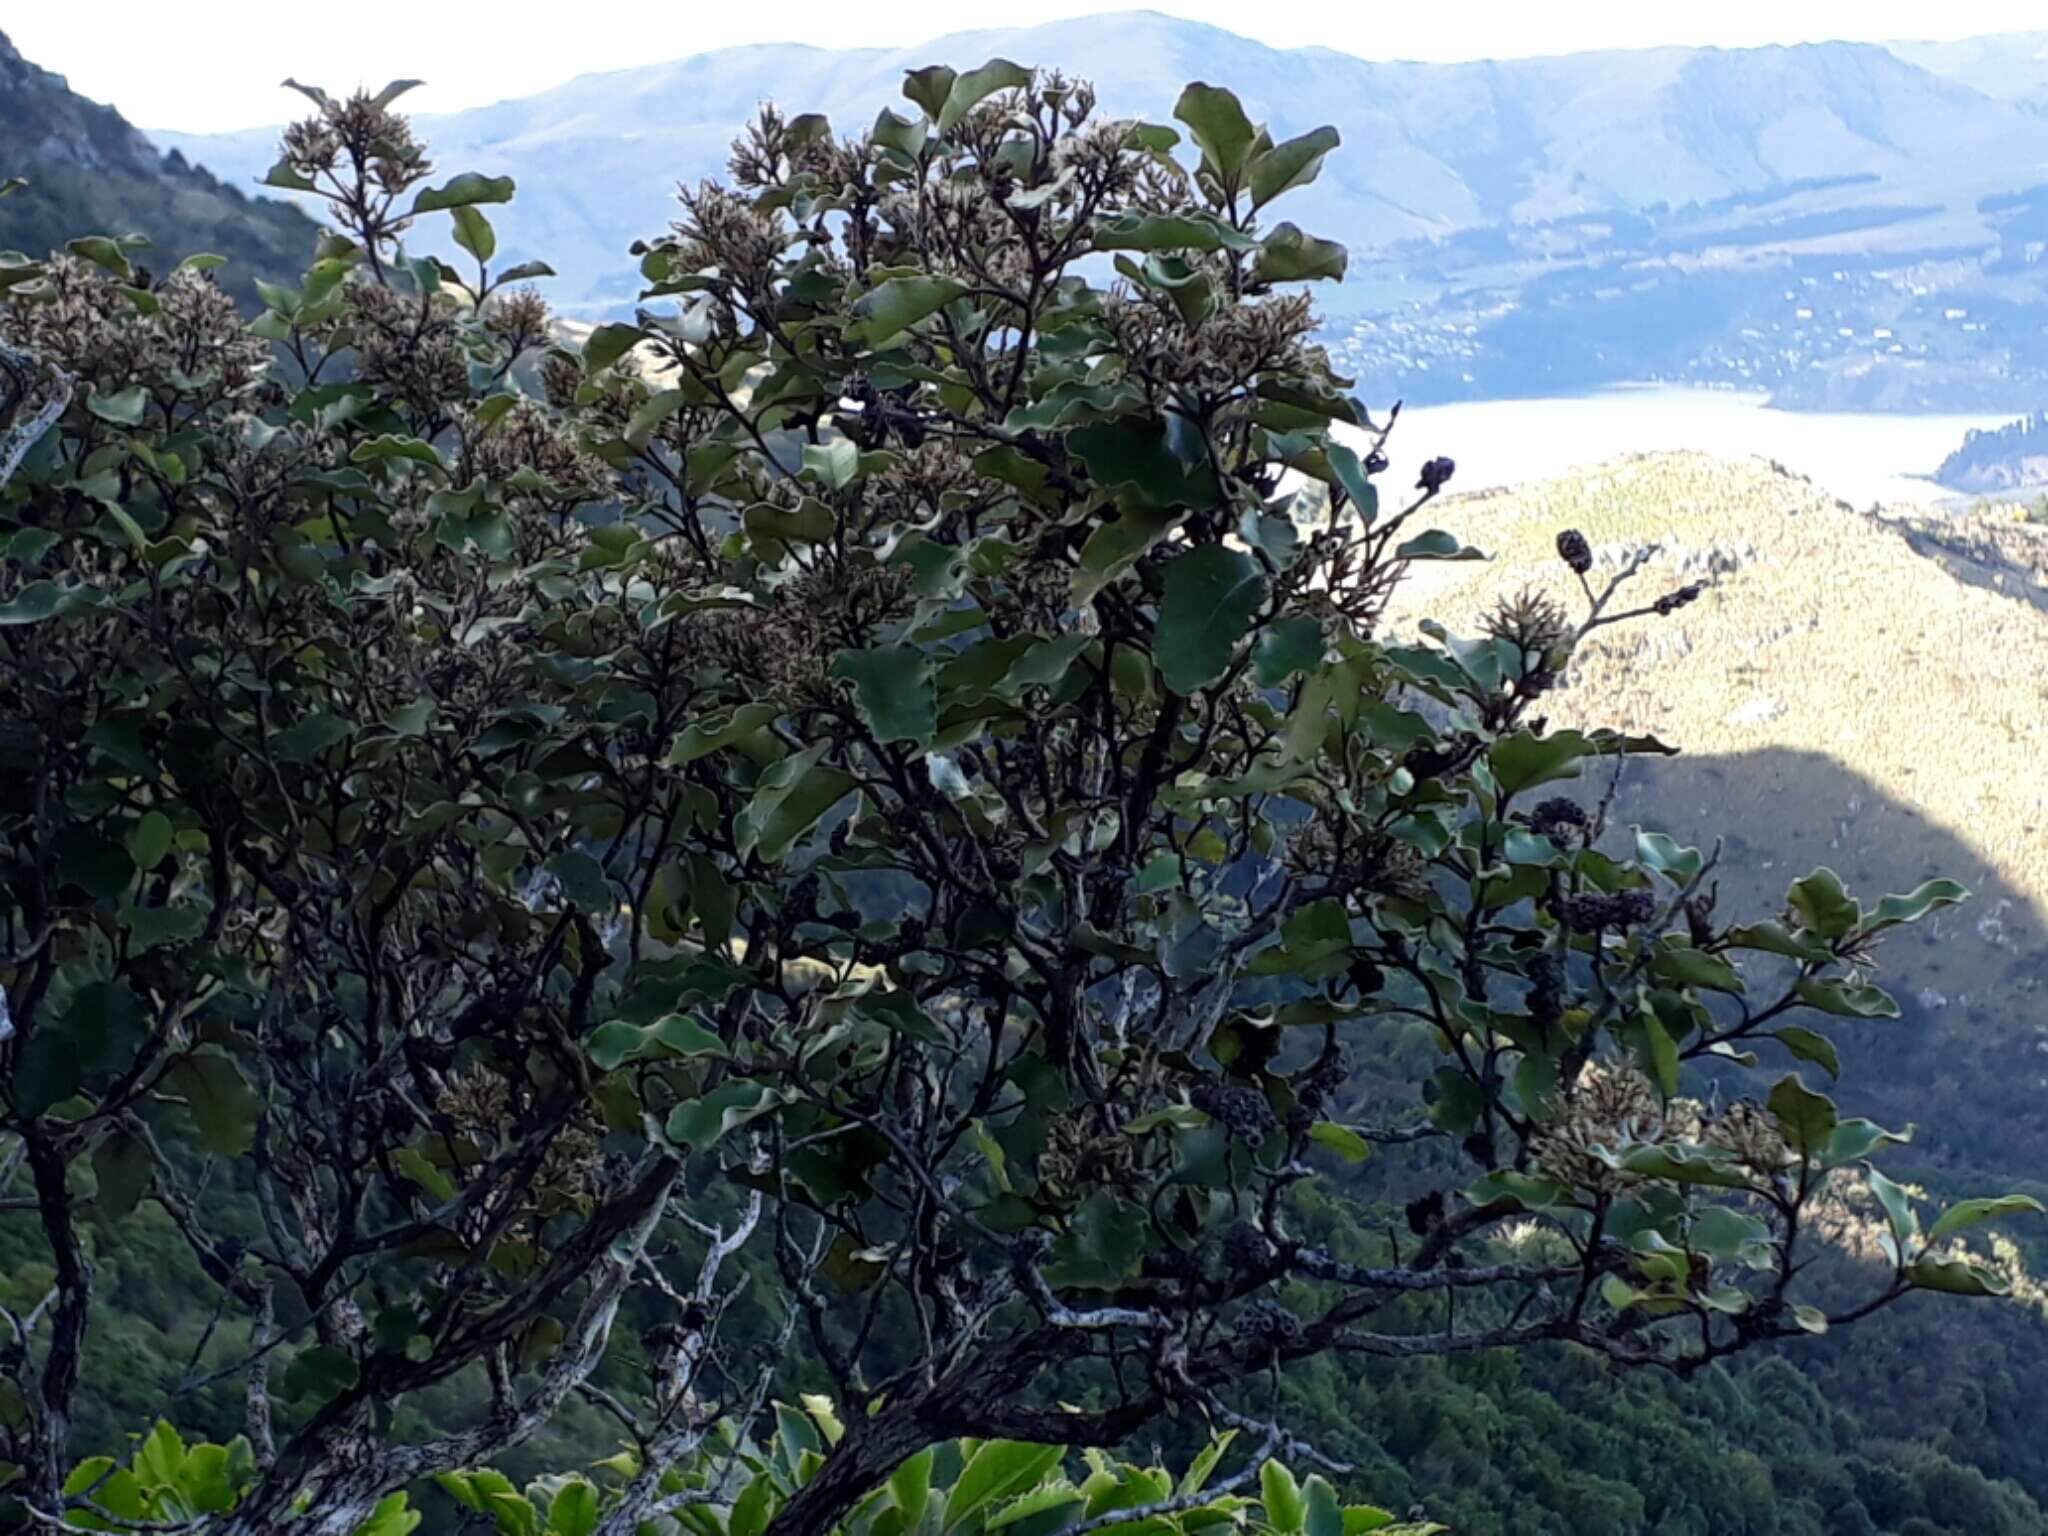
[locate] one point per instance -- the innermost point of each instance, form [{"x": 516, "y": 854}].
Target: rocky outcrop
[{"x": 89, "y": 171}]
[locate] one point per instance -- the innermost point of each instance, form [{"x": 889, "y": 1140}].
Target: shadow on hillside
[
  {"x": 1968, "y": 1061},
  {"x": 1975, "y": 562}
]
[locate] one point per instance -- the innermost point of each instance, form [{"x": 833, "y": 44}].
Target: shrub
[{"x": 882, "y": 776}]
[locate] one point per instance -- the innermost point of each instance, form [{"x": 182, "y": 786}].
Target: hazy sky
[{"x": 215, "y": 64}]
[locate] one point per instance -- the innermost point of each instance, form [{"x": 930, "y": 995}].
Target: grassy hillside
[
  {"x": 1851, "y": 691},
  {"x": 89, "y": 172},
  {"x": 1864, "y": 691}
]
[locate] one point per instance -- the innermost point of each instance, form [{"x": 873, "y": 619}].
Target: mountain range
[
  {"x": 1802, "y": 219},
  {"x": 1842, "y": 224}
]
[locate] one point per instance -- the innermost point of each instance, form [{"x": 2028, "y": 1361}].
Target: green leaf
[
  {"x": 1956, "y": 1277},
  {"x": 1807, "y": 1118},
  {"x": 1351, "y": 475},
  {"x": 1103, "y": 1244},
  {"x": 901, "y": 134},
  {"x": 1661, "y": 853},
  {"x": 607, "y": 344},
  {"x": 1898, "y": 1210},
  {"x": 391, "y": 1517},
  {"x": 928, "y": 88},
  {"x": 894, "y": 688},
  {"x": 41, "y": 600},
  {"x": 153, "y": 927},
  {"x": 474, "y": 234},
  {"x": 673, "y": 1035},
  {"x": 102, "y": 252},
  {"x": 1362, "y": 1518},
  {"x": 464, "y": 191},
  {"x": 1217, "y": 123},
  {"x": 910, "y": 1487},
  {"x": 222, "y": 1105},
  {"x": 1325, "y": 1516},
  {"x": 1211, "y": 596},
  {"x": 107, "y": 1024},
  {"x": 1808, "y": 1045},
  {"x": 833, "y": 464},
  {"x": 1286, "y": 1510},
  {"x": 319, "y": 1373},
  {"x": 1287, "y": 646},
  {"x": 1113, "y": 547},
  {"x": 713, "y": 900},
  {"x": 1683, "y": 1166},
  {"x": 700, "y": 1123},
  {"x": 1728, "y": 1233},
  {"x": 1844, "y": 1000},
  {"x": 1199, "y": 1471},
  {"x": 810, "y": 522},
  {"x": 787, "y": 803},
  {"x": 415, "y": 1165},
  {"x": 282, "y": 175},
  {"x": 976, "y": 86},
  {"x": 1036, "y": 1502},
  {"x": 997, "y": 1469},
  {"x": 1525, "y": 759},
  {"x": 311, "y": 737},
  {"x": 1969, "y": 1213},
  {"x": 750, "y": 1511},
  {"x": 1858, "y": 1138},
  {"x": 149, "y": 840},
  {"x": 1289, "y": 256},
  {"x": 1688, "y": 967},
  {"x": 583, "y": 881},
  {"x": 1191, "y": 231},
  {"x": 573, "y": 1510},
  {"x": 1436, "y": 544},
  {"x": 1290, "y": 164},
  {"x": 124, "y": 409},
  {"x": 207, "y": 1479},
  {"x": 1160, "y": 462},
  {"x": 898, "y": 304},
  {"x": 393, "y": 445},
  {"x": 1823, "y": 905},
  {"x": 716, "y": 732},
  {"x": 46, "y": 1073},
  {"x": 641, "y": 425},
  {"x": 121, "y": 1165},
  {"x": 1916, "y": 904},
  {"x": 1340, "y": 1139}
]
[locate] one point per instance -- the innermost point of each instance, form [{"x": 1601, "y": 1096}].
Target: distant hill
[
  {"x": 2011, "y": 66},
  {"x": 1805, "y": 220},
  {"x": 89, "y": 172},
  {"x": 2013, "y": 457}
]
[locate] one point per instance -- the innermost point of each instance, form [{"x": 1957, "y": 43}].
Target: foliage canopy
[{"x": 883, "y": 776}]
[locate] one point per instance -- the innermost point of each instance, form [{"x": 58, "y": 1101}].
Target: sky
[{"x": 210, "y": 65}]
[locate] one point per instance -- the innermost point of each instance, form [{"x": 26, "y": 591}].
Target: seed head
[{"x": 1573, "y": 549}]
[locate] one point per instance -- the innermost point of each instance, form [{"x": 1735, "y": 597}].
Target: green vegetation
[{"x": 863, "y": 834}]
